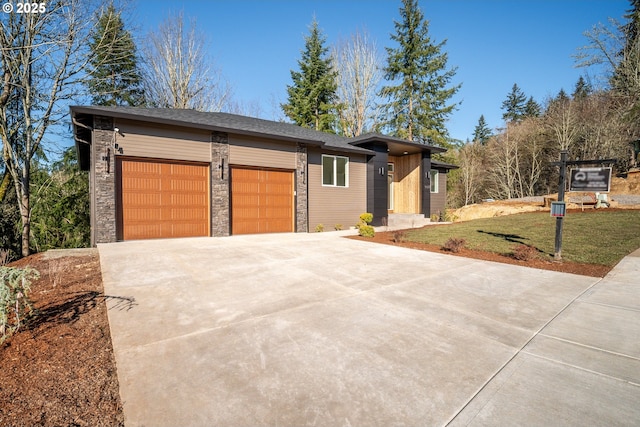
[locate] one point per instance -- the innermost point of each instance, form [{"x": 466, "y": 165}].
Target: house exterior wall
[
  {"x": 336, "y": 205},
  {"x": 406, "y": 186},
  {"x": 138, "y": 139},
  {"x": 302, "y": 200},
  {"x": 102, "y": 182},
  {"x": 220, "y": 190},
  {"x": 248, "y": 151},
  {"x": 438, "y": 200}
]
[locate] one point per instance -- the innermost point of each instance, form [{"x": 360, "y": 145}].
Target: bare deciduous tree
[
  {"x": 562, "y": 120},
  {"x": 472, "y": 172},
  {"x": 178, "y": 70},
  {"x": 359, "y": 73},
  {"x": 43, "y": 56}
]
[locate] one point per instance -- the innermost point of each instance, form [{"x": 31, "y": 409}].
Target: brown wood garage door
[
  {"x": 261, "y": 201},
  {"x": 163, "y": 199}
]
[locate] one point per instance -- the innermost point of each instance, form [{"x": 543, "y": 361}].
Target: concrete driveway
[{"x": 316, "y": 329}]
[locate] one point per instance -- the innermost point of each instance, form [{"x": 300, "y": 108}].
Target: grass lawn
[{"x": 594, "y": 237}]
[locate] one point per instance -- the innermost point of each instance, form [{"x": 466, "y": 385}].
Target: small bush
[
  {"x": 454, "y": 245},
  {"x": 338, "y": 227},
  {"x": 366, "y": 230},
  {"x": 366, "y": 218},
  {"x": 5, "y": 257},
  {"x": 435, "y": 218},
  {"x": 525, "y": 253},
  {"x": 15, "y": 284},
  {"x": 319, "y": 228},
  {"x": 398, "y": 236}
]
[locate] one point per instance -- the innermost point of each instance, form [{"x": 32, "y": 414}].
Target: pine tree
[
  {"x": 312, "y": 95},
  {"x": 114, "y": 78},
  {"x": 626, "y": 77},
  {"x": 418, "y": 93},
  {"x": 514, "y": 105},
  {"x": 481, "y": 133},
  {"x": 582, "y": 89},
  {"x": 532, "y": 108},
  {"x": 562, "y": 96}
]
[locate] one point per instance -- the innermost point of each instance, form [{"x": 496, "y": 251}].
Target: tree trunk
[
  {"x": 4, "y": 185},
  {"x": 25, "y": 210}
]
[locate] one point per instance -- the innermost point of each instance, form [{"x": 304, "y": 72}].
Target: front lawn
[{"x": 592, "y": 237}]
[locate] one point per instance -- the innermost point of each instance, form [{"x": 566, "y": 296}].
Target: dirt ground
[
  {"x": 59, "y": 370},
  {"x": 629, "y": 185}
]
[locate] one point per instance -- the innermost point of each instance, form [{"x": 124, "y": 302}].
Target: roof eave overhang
[
  {"x": 182, "y": 123},
  {"x": 400, "y": 146}
]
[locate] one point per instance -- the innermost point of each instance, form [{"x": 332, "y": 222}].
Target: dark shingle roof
[{"x": 225, "y": 122}]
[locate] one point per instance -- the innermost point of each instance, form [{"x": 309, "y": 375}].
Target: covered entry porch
[{"x": 398, "y": 180}]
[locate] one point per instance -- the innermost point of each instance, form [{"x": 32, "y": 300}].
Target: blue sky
[{"x": 493, "y": 43}]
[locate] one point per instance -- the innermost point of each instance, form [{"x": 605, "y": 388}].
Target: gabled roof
[{"x": 225, "y": 122}]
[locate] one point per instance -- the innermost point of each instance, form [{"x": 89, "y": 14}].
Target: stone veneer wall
[
  {"x": 220, "y": 225},
  {"x": 103, "y": 209},
  {"x": 301, "y": 189}
]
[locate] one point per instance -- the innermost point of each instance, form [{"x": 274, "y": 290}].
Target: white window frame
[
  {"x": 434, "y": 187},
  {"x": 334, "y": 179}
]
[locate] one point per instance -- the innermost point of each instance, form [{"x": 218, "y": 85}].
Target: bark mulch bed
[{"x": 59, "y": 370}]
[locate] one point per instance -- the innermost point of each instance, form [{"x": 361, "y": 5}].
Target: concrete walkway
[{"x": 314, "y": 329}]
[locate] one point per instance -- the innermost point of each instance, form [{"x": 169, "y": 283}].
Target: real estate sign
[{"x": 590, "y": 179}]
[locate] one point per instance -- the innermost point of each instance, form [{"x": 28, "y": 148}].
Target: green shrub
[
  {"x": 5, "y": 257},
  {"x": 338, "y": 227},
  {"x": 319, "y": 228},
  {"x": 366, "y": 230},
  {"x": 15, "y": 284},
  {"x": 454, "y": 245},
  {"x": 366, "y": 218}
]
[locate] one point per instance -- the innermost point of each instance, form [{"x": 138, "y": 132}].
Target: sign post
[
  {"x": 581, "y": 179},
  {"x": 560, "y": 218}
]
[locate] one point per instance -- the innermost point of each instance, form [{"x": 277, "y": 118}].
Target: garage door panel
[
  {"x": 262, "y": 201},
  {"x": 161, "y": 200}
]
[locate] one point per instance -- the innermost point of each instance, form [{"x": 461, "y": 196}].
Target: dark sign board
[{"x": 590, "y": 179}]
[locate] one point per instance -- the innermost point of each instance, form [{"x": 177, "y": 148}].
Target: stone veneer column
[
  {"x": 220, "y": 225},
  {"x": 103, "y": 220},
  {"x": 301, "y": 189}
]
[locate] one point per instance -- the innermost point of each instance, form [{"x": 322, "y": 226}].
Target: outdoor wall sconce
[
  {"x": 221, "y": 168},
  {"x": 302, "y": 175},
  {"x": 381, "y": 170},
  {"x": 107, "y": 158}
]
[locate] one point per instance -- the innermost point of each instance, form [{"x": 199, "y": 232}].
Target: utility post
[{"x": 559, "y": 220}]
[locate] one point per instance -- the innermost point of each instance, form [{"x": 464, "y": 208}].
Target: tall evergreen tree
[
  {"x": 114, "y": 77},
  {"x": 515, "y": 105},
  {"x": 626, "y": 75},
  {"x": 532, "y": 108},
  {"x": 418, "y": 94},
  {"x": 482, "y": 133},
  {"x": 582, "y": 89},
  {"x": 312, "y": 95}
]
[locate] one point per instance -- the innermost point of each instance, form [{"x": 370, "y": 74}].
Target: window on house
[
  {"x": 434, "y": 181},
  {"x": 335, "y": 171}
]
